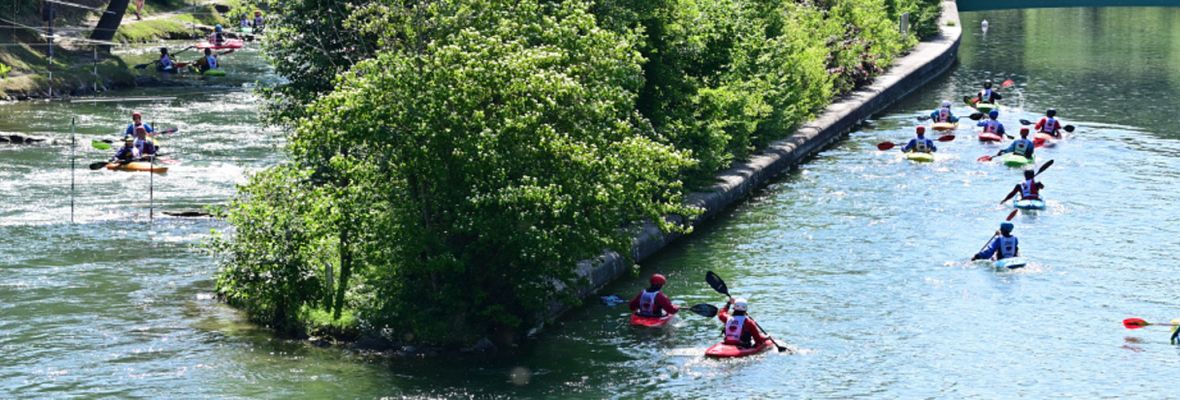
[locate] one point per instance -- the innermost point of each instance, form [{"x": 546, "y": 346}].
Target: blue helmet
[
  {"x": 1006, "y": 227},
  {"x": 994, "y": 114},
  {"x": 217, "y": 28}
]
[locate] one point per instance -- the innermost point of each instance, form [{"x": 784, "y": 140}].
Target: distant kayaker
[
  {"x": 1021, "y": 147},
  {"x": 258, "y": 22},
  {"x": 165, "y": 63},
  {"x": 137, "y": 121},
  {"x": 987, "y": 94},
  {"x": 127, "y": 153},
  {"x": 244, "y": 22},
  {"x": 1004, "y": 245},
  {"x": 992, "y": 123},
  {"x": 920, "y": 143},
  {"x": 1049, "y": 124},
  {"x": 652, "y": 302},
  {"x": 209, "y": 61},
  {"x": 145, "y": 146},
  {"x": 1029, "y": 189},
  {"x": 217, "y": 37},
  {"x": 739, "y": 329},
  {"x": 944, "y": 114}
]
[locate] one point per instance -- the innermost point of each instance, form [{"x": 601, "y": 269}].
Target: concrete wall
[{"x": 927, "y": 61}]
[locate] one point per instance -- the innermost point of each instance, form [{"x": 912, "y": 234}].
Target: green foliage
[
  {"x": 466, "y": 153},
  {"x": 4, "y": 70}
]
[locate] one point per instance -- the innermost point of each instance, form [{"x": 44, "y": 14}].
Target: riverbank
[{"x": 928, "y": 61}]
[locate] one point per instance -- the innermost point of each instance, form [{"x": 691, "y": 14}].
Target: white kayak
[{"x": 1010, "y": 263}]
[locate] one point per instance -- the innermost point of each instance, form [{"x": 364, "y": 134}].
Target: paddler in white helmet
[
  {"x": 739, "y": 329},
  {"x": 1004, "y": 245},
  {"x": 943, "y": 113}
]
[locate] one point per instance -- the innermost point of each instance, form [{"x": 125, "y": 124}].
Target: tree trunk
[{"x": 109, "y": 23}]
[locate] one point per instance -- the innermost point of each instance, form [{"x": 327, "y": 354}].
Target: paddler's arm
[
  {"x": 1010, "y": 194},
  {"x": 991, "y": 249},
  {"x": 723, "y": 314},
  {"x": 634, "y": 305},
  {"x": 755, "y": 332},
  {"x": 665, "y": 303}
]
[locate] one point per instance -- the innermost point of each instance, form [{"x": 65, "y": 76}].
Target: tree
[{"x": 108, "y": 24}]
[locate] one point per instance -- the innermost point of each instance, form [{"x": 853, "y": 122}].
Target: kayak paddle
[
  {"x": 889, "y": 145},
  {"x": 989, "y": 241},
  {"x": 719, "y": 285},
  {"x": 1136, "y": 323},
  {"x": 704, "y": 310},
  {"x": 97, "y": 165},
  {"x": 142, "y": 66},
  {"x": 100, "y": 145}
]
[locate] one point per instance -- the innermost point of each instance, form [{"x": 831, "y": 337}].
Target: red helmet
[
  {"x": 921, "y": 129},
  {"x": 1024, "y": 131},
  {"x": 658, "y": 280},
  {"x": 136, "y": 115}
]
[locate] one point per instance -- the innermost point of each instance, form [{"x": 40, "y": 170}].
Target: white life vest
[
  {"x": 1021, "y": 147},
  {"x": 647, "y": 303},
  {"x": 1028, "y": 190},
  {"x": 944, "y": 114},
  {"x": 920, "y": 145},
  {"x": 985, "y": 96},
  {"x": 1050, "y": 125},
  {"x": 734, "y": 328},
  {"x": 1007, "y": 248}
]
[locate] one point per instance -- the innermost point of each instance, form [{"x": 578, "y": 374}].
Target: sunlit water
[{"x": 858, "y": 258}]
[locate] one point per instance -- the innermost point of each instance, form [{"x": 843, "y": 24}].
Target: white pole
[{"x": 73, "y": 146}]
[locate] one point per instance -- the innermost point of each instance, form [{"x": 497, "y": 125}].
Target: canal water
[{"x": 858, "y": 259}]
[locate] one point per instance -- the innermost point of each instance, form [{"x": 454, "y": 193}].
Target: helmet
[
  {"x": 217, "y": 28},
  {"x": 658, "y": 280},
  {"x": 1006, "y": 227},
  {"x": 993, "y": 114},
  {"x": 163, "y": 50},
  {"x": 1051, "y": 112},
  {"x": 129, "y": 140},
  {"x": 946, "y": 103},
  {"x": 920, "y": 129},
  {"x": 1024, "y": 131},
  {"x": 740, "y": 304},
  {"x": 136, "y": 115},
  {"x": 1029, "y": 174},
  {"x": 256, "y": 12},
  {"x": 987, "y": 84}
]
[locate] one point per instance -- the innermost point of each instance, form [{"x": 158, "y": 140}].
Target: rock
[
  {"x": 4, "y": 139},
  {"x": 376, "y": 343},
  {"x": 483, "y": 345}
]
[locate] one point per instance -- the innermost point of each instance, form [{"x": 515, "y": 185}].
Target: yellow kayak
[
  {"x": 919, "y": 156},
  {"x": 142, "y": 166},
  {"x": 944, "y": 126}
]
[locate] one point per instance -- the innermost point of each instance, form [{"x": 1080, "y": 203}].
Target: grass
[
  {"x": 320, "y": 323},
  {"x": 176, "y": 27}
]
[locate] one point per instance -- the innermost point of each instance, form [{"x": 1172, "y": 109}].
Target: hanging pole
[
  {"x": 151, "y": 183},
  {"x": 73, "y": 160}
]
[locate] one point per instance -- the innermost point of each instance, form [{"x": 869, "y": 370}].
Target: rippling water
[{"x": 858, "y": 258}]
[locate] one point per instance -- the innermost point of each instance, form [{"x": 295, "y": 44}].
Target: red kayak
[
  {"x": 989, "y": 137},
  {"x": 651, "y": 322},
  {"x": 722, "y": 350},
  {"x": 228, "y": 44},
  {"x": 1043, "y": 139}
]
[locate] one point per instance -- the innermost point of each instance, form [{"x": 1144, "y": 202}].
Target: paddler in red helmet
[
  {"x": 739, "y": 329},
  {"x": 652, "y": 302}
]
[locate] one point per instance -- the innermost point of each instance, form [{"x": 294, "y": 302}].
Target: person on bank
[
  {"x": 987, "y": 94},
  {"x": 1049, "y": 124},
  {"x": 136, "y": 122},
  {"x": 944, "y": 114},
  {"x": 739, "y": 329},
  {"x": 258, "y": 23},
  {"x": 1004, "y": 245},
  {"x": 1030, "y": 189},
  {"x": 1021, "y": 147},
  {"x": 992, "y": 123},
  {"x": 652, "y": 302},
  {"x": 127, "y": 153},
  {"x": 920, "y": 143}
]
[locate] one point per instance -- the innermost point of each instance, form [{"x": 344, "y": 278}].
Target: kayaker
[
  {"x": 244, "y": 22},
  {"x": 146, "y": 146},
  {"x": 165, "y": 63},
  {"x": 1021, "y": 147},
  {"x": 944, "y": 114},
  {"x": 127, "y": 153},
  {"x": 257, "y": 22},
  {"x": 739, "y": 329},
  {"x": 1049, "y": 124},
  {"x": 652, "y": 302},
  {"x": 209, "y": 61},
  {"x": 920, "y": 144},
  {"x": 992, "y": 123},
  {"x": 1029, "y": 189},
  {"x": 217, "y": 37},
  {"x": 1003, "y": 246},
  {"x": 987, "y": 94},
  {"x": 137, "y": 121}
]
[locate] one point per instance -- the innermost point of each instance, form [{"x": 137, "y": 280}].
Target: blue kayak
[
  {"x": 1030, "y": 204},
  {"x": 1010, "y": 263}
]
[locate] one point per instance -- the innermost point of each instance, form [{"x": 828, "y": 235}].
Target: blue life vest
[
  {"x": 1050, "y": 125},
  {"x": 991, "y": 126},
  {"x": 212, "y": 61},
  {"x": 1022, "y": 146},
  {"x": 1028, "y": 190},
  {"x": 1007, "y": 247}
]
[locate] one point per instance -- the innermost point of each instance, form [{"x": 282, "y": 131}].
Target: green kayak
[
  {"x": 985, "y": 107},
  {"x": 214, "y": 72},
  {"x": 1016, "y": 161}
]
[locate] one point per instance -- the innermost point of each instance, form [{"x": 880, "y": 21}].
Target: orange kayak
[{"x": 142, "y": 166}]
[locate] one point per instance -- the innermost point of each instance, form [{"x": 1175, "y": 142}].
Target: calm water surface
[{"x": 858, "y": 258}]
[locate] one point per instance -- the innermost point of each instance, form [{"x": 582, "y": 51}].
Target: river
[{"x": 859, "y": 259}]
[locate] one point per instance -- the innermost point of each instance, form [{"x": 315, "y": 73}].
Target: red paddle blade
[
  {"x": 885, "y": 146},
  {"x": 946, "y": 138},
  {"x": 1012, "y": 214},
  {"x": 984, "y": 159},
  {"x": 1007, "y": 83},
  {"x": 1135, "y": 323}
]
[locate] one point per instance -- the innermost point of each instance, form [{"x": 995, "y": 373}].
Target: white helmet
[
  {"x": 946, "y": 103},
  {"x": 739, "y": 304}
]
